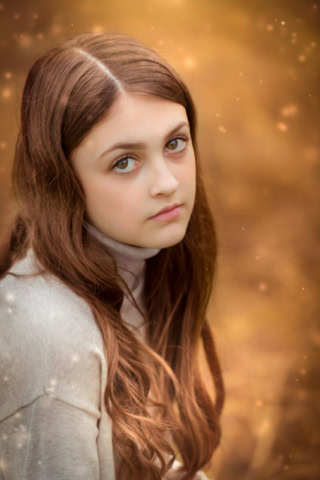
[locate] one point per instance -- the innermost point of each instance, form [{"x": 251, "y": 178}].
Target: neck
[
  {"x": 122, "y": 249},
  {"x": 130, "y": 261}
]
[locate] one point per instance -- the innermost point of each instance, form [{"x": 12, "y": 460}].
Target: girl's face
[{"x": 126, "y": 185}]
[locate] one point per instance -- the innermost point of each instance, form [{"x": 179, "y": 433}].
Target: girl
[{"x": 103, "y": 299}]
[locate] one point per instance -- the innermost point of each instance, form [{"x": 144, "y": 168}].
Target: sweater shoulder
[
  {"x": 37, "y": 289},
  {"x": 49, "y": 341}
]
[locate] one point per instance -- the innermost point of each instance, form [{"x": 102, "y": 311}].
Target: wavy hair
[{"x": 67, "y": 91}]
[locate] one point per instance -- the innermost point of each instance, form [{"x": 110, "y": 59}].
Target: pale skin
[{"x": 120, "y": 201}]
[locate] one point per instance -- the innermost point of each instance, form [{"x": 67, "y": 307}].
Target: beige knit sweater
[{"x": 53, "y": 373}]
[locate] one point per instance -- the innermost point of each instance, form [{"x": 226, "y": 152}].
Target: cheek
[
  {"x": 189, "y": 171},
  {"x": 114, "y": 197},
  {"x": 190, "y": 180}
]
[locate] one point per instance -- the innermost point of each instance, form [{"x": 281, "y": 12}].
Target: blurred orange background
[{"x": 253, "y": 70}]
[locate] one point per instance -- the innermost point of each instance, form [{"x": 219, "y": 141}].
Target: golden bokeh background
[{"x": 253, "y": 70}]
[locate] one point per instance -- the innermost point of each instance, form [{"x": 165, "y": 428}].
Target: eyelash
[{"x": 178, "y": 137}]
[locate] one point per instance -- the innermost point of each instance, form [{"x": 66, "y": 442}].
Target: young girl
[{"x": 102, "y": 299}]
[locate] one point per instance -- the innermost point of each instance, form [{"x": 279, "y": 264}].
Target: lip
[
  {"x": 167, "y": 209},
  {"x": 168, "y": 215}
]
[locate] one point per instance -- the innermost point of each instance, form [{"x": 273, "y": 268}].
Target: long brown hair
[{"x": 67, "y": 91}]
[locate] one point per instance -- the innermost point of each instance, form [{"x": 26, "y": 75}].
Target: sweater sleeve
[
  {"x": 52, "y": 378},
  {"x": 49, "y": 439}
]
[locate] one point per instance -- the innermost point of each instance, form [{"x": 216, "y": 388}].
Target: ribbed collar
[
  {"x": 131, "y": 263},
  {"x": 123, "y": 249},
  {"x": 130, "y": 258}
]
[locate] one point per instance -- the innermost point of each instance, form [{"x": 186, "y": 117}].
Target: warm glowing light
[
  {"x": 97, "y": 29},
  {"x": 289, "y": 110},
  {"x": 189, "y": 62},
  {"x": 56, "y": 29},
  {"x": 265, "y": 427},
  {"x": 25, "y": 40},
  {"x": 283, "y": 127},
  {"x": 6, "y": 93},
  {"x": 263, "y": 286}
]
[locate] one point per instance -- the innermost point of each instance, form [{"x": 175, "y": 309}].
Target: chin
[{"x": 169, "y": 241}]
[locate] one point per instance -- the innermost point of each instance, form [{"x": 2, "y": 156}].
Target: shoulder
[
  {"x": 49, "y": 340},
  {"x": 39, "y": 292},
  {"x": 42, "y": 302}
]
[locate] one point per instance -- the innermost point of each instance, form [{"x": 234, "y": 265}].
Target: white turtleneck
[
  {"x": 131, "y": 265},
  {"x": 53, "y": 373}
]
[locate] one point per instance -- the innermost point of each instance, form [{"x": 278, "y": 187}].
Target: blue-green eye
[{"x": 124, "y": 160}]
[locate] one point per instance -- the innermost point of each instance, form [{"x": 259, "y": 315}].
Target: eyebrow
[{"x": 140, "y": 145}]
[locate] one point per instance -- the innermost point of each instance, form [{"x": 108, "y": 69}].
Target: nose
[{"x": 164, "y": 181}]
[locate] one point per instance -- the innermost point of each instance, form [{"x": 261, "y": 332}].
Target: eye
[
  {"x": 123, "y": 162},
  {"x": 183, "y": 138}
]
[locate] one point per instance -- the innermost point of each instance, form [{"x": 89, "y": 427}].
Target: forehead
[
  {"x": 133, "y": 118},
  {"x": 134, "y": 115},
  {"x": 139, "y": 105}
]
